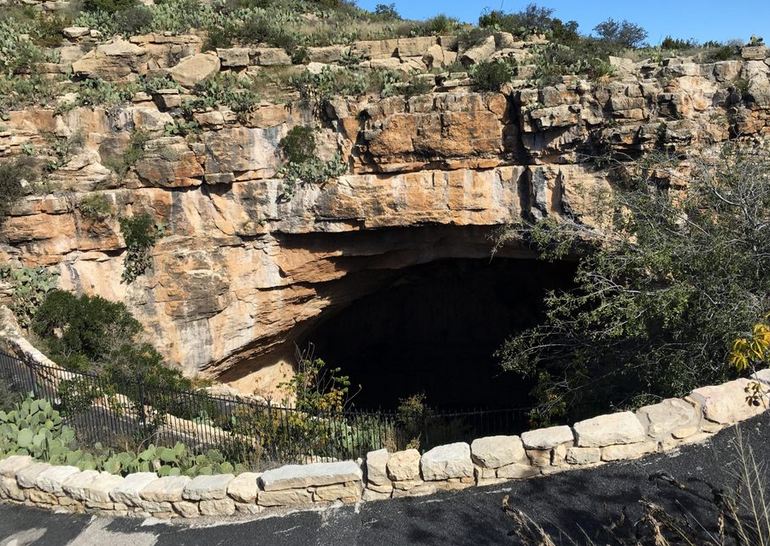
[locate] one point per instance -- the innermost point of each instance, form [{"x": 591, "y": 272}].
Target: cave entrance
[{"x": 433, "y": 329}]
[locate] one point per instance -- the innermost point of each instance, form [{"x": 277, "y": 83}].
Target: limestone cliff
[{"x": 242, "y": 271}]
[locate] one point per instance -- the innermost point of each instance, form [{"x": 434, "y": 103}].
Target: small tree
[{"x": 623, "y": 33}]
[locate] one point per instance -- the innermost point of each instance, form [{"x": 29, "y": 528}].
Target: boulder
[
  {"x": 52, "y": 480},
  {"x": 628, "y": 451},
  {"x": 27, "y": 476},
  {"x": 234, "y": 57},
  {"x": 610, "y": 429},
  {"x": 285, "y": 497},
  {"x": 295, "y": 476},
  {"x": 128, "y": 491},
  {"x": 728, "y": 403},
  {"x": 346, "y": 492},
  {"x": 13, "y": 464},
  {"x": 271, "y": 56},
  {"x": 404, "y": 465},
  {"x": 479, "y": 53},
  {"x": 754, "y": 53},
  {"x": 517, "y": 471},
  {"x": 547, "y": 438},
  {"x": 118, "y": 60},
  {"x": 665, "y": 417},
  {"x": 376, "y": 467},
  {"x": 244, "y": 487},
  {"x": 165, "y": 489},
  {"x": 583, "y": 455},
  {"x": 497, "y": 451},
  {"x": 447, "y": 461},
  {"x": 208, "y": 487},
  {"x": 327, "y": 54},
  {"x": 194, "y": 69},
  {"x": 217, "y": 507},
  {"x": 75, "y": 32}
]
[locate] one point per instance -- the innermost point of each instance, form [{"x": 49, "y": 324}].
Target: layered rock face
[{"x": 241, "y": 270}]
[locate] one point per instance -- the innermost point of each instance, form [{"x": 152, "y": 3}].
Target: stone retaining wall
[{"x": 491, "y": 460}]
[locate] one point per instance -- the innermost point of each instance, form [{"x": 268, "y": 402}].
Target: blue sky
[{"x": 699, "y": 19}]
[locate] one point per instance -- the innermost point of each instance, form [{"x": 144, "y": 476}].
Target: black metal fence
[{"x": 131, "y": 415}]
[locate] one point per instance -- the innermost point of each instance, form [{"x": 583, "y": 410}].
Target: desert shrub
[
  {"x": 302, "y": 165},
  {"x": 30, "y": 286},
  {"x": 109, "y": 6},
  {"x": 131, "y": 154},
  {"x": 225, "y": 89},
  {"x": 97, "y": 92},
  {"x": 140, "y": 234},
  {"x": 622, "y": 33},
  {"x": 556, "y": 60},
  {"x": 18, "y": 53},
  {"x": 315, "y": 89},
  {"x": 492, "y": 75},
  {"x": 677, "y": 43},
  {"x": 12, "y": 175},
  {"x": 386, "y": 11},
  {"x": 532, "y": 19},
  {"x": 663, "y": 291},
  {"x": 17, "y": 92},
  {"x": 437, "y": 25},
  {"x": 81, "y": 330},
  {"x": 95, "y": 207},
  {"x": 723, "y": 53}
]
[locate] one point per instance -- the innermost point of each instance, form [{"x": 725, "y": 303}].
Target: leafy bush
[
  {"x": 17, "y": 92},
  {"x": 140, "y": 234},
  {"x": 531, "y": 20},
  {"x": 584, "y": 58},
  {"x": 315, "y": 89},
  {"x": 225, "y": 89},
  {"x": 303, "y": 166},
  {"x": 677, "y": 43},
  {"x": 97, "y": 92},
  {"x": 108, "y": 6},
  {"x": 492, "y": 75},
  {"x": 622, "y": 33},
  {"x": 659, "y": 302},
  {"x": 95, "y": 207},
  {"x": 30, "y": 286},
  {"x": 18, "y": 53},
  {"x": 11, "y": 186}
]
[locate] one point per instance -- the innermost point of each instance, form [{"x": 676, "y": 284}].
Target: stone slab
[
  {"x": 547, "y": 438},
  {"x": 377, "y": 467},
  {"x": 165, "y": 489},
  {"x": 610, "y": 429},
  {"x": 11, "y": 465},
  {"x": 497, "y": 451},
  {"x": 207, "y": 487},
  {"x": 316, "y": 474},
  {"x": 404, "y": 465},
  {"x": 128, "y": 491},
  {"x": 27, "y": 476},
  {"x": 52, "y": 480},
  {"x": 447, "y": 461},
  {"x": 244, "y": 487}
]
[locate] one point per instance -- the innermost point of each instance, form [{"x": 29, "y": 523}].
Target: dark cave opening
[{"x": 434, "y": 329}]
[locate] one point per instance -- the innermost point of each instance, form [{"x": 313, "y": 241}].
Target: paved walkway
[{"x": 570, "y": 501}]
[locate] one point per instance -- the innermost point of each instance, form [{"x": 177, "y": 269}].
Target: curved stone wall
[{"x": 613, "y": 437}]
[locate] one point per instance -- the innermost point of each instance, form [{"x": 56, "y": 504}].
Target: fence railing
[{"x": 132, "y": 414}]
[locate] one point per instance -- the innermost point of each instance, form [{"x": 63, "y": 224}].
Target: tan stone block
[
  {"x": 628, "y": 451},
  {"x": 583, "y": 455},
  {"x": 217, "y": 507},
  {"x": 41, "y": 497},
  {"x": 244, "y": 487},
  {"x": 187, "y": 509},
  {"x": 518, "y": 471},
  {"x": 539, "y": 457},
  {"x": 404, "y": 465},
  {"x": 417, "y": 491},
  {"x": 347, "y": 492},
  {"x": 285, "y": 497}
]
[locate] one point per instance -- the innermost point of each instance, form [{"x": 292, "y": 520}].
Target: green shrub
[
  {"x": 81, "y": 330},
  {"x": 298, "y": 148},
  {"x": 677, "y": 43},
  {"x": 95, "y": 207},
  {"x": 531, "y": 20},
  {"x": 621, "y": 33},
  {"x": 30, "y": 286},
  {"x": 97, "y": 92},
  {"x": 108, "y": 6},
  {"x": 17, "y": 92},
  {"x": 492, "y": 75},
  {"x": 11, "y": 186},
  {"x": 18, "y": 53},
  {"x": 225, "y": 89},
  {"x": 315, "y": 89},
  {"x": 582, "y": 58},
  {"x": 140, "y": 233},
  {"x": 133, "y": 152}
]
